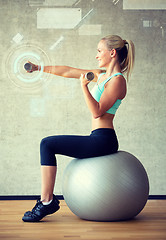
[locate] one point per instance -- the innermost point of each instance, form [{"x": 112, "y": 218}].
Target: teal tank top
[{"x": 99, "y": 89}]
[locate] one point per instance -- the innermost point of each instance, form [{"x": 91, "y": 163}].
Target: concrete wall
[{"x": 52, "y": 105}]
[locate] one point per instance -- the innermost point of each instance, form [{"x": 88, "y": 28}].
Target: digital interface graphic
[{"x": 14, "y": 66}]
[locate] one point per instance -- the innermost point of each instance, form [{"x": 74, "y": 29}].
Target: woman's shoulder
[{"x": 99, "y": 72}]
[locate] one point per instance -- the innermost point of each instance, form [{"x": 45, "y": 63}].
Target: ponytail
[
  {"x": 128, "y": 63},
  {"x": 125, "y": 51}
]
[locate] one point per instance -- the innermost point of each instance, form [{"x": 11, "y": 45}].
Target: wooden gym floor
[{"x": 150, "y": 224}]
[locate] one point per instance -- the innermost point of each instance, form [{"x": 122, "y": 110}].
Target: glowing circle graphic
[{"x": 15, "y": 62}]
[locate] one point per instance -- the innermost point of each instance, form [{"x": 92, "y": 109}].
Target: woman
[{"x": 116, "y": 56}]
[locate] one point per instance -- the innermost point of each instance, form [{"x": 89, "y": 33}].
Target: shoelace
[{"x": 35, "y": 208}]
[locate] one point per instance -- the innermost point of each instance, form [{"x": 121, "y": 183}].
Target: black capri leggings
[{"x": 102, "y": 141}]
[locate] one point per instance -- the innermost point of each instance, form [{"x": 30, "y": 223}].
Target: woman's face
[{"x": 103, "y": 55}]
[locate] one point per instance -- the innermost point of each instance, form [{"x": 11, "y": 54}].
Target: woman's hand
[{"x": 84, "y": 81}]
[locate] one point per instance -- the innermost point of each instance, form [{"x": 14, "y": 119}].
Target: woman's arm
[
  {"x": 68, "y": 72},
  {"x": 65, "y": 71},
  {"x": 114, "y": 90}
]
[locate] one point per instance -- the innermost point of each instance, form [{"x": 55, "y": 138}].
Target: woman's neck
[{"x": 113, "y": 68}]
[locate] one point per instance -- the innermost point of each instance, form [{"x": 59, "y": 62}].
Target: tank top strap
[
  {"x": 100, "y": 76},
  {"x": 114, "y": 75}
]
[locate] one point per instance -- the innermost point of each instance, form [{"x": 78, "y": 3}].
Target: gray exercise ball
[{"x": 107, "y": 188}]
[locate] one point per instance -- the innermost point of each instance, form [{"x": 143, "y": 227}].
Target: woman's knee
[
  {"x": 44, "y": 143},
  {"x": 47, "y": 153}
]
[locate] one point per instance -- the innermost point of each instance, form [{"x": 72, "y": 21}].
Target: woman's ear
[{"x": 113, "y": 53}]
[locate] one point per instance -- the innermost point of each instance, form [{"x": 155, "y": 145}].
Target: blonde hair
[{"x": 125, "y": 50}]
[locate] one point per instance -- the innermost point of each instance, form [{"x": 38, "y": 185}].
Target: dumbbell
[
  {"x": 28, "y": 66},
  {"x": 89, "y": 76}
]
